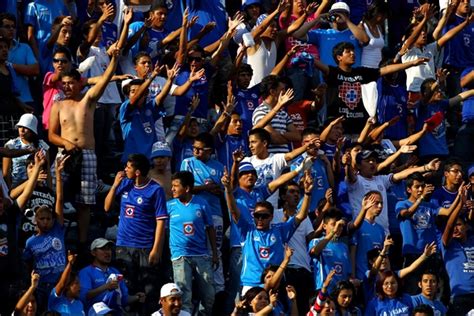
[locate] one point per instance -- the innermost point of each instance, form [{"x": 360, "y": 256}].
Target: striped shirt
[{"x": 279, "y": 123}]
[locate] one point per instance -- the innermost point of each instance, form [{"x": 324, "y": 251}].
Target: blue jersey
[
  {"x": 433, "y": 143},
  {"x": 247, "y": 102},
  {"x": 459, "y": 51},
  {"x": 138, "y": 128},
  {"x": 438, "y": 307},
  {"x": 63, "y": 305},
  {"x": 443, "y": 198},
  {"x": 204, "y": 173},
  {"x": 320, "y": 179},
  {"x": 48, "y": 253},
  {"x": 92, "y": 277},
  {"x": 335, "y": 256},
  {"x": 392, "y": 101},
  {"x": 400, "y": 306},
  {"x": 367, "y": 237},
  {"x": 181, "y": 150},
  {"x": 262, "y": 248},
  {"x": 226, "y": 145},
  {"x": 246, "y": 203},
  {"x": 41, "y": 14},
  {"x": 155, "y": 38},
  {"x": 109, "y": 34},
  {"x": 467, "y": 104},
  {"x": 188, "y": 223},
  {"x": 459, "y": 261},
  {"x": 199, "y": 87},
  {"x": 418, "y": 229},
  {"x": 140, "y": 208},
  {"x": 21, "y": 53}
]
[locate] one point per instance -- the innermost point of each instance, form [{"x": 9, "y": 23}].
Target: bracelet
[
  {"x": 271, "y": 306},
  {"x": 424, "y": 168},
  {"x": 308, "y": 193}
]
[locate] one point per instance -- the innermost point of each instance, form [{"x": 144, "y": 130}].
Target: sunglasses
[
  {"x": 261, "y": 215},
  {"x": 197, "y": 59},
  {"x": 63, "y": 61}
]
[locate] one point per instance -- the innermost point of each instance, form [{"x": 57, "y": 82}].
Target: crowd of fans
[{"x": 210, "y": 157}]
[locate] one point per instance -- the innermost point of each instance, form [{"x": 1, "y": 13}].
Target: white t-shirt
[
  {"x": 268, "y": 169},
  {"x": 363, "y": 185},
  {"x": 297, "y": 242},
  {"x": 416, "y": 75},
  {"x": 181, "y": 313}
]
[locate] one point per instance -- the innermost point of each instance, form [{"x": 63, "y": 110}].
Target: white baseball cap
[
  {"x": 340, "y": 6},
  {"x": 29, "y": 121},
  {"x": 170, "y": 289}
]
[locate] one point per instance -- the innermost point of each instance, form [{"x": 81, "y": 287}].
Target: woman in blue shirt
[{"x": 389, "y": 300}]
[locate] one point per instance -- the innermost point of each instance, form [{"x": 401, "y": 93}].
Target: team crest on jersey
[
  {"x": 264, "y": 252},
  {"x": 139, "y": 200},
  {"x": 213, "y": 172},
  {"x": 273, "y": 238},
  {"x": 56, "y": 243},
  {"x": 250, "y": 105},
  {"x": 338, "y": 268},
  {"x": 188, "y": 229},
  {"x": 350, "y": 94},
  {"x": 129, "y": 211},
  {"x": 198, "y": 213}
]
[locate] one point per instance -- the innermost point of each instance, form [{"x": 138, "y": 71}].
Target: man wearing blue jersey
[
  {"x": 191, "y": 231},
  {"x": 428, "y": 284},
  {"x": 262, "y": 243},
  {"x": 141, "y": 227}
]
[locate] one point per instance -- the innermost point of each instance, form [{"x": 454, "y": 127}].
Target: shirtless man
[{"x": 71, "y": 127}]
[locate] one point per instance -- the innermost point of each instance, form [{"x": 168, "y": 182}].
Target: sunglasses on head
[{"x": 261, "y": 215}]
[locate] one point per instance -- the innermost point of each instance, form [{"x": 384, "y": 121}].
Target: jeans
[
  {"x": 199, "y": 268},
  {"x": 233, "y": 287},
  {"x": 219, "y": 280}
]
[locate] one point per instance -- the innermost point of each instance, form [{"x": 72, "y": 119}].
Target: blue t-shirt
[
  {"x": 335, "y": 256},
  {"x": 459, "y": 51},
  {"x": 419, "y": 229},
  {"x": 247, "y": 102},
  {"x": 199, "y": 87},
  {"x": 433, "y": 143},
  {"x": 246, "y": 203},
  {"x": 188, "y": 223},
  {"x": 320, "y": 179},
  {"x": 48, "y": 253},
  {"x": 226, "y": 145},
  {"x": 155, "y": 38},
  {"x": 138, "y": 128},
  {"x": 140, "y": 208},
  {"x": 326, "y": 39},
  {"x": 400, "y": 306},
  {"x": 467, "y": 104},
  {"x": 206, "y": 172},
  {"x": 441, "y": 197},
  {"x": 64, "y": 306},
  {"x": 392, "y": 101},
  {"x": 367, "y": 237},
  {"x": 207, "y": 11},
  {"x": 262, "y": 248},
  {"x": 22, "y": 54},
  {"x": 438, "y": 307},
  {"x": 109, "y": 34},
  {"x": 181, "y": 150},
  {"x": 92, "y": 277},
  {"x": 459, "y": 261}
]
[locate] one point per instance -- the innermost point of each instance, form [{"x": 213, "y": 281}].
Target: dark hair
[
  {"x": 269, "y": 268},
  {"x": 429, "y": 272},
  {"x": 423, "y": 308},
  {"x": 86, "y": 27},
  {"x": 377, "y": 7},
  {"x": 284, "y": 188},
  {"x": 73, "y": 73},
  {"x": 245, "y": 68},
  {"x": 7, "y": 16},
  {"x": 417, "y": 176},
  {"x": 332, "y": 213},
  {"x": 265, "y": 204},
  {"x": 343, "y": 285},
  {"x": 425, "y": 88},
  {"x": 139, "y": 55},
  {"x": 268, "y": 83},
  {"x": 159, "y": 5},
  {"x": 57, "y": 21},
  {"x": 140, "y": 162},
  {"x": 338, "y": 50},
  {"x": 450, "y": 163},
  {"x": 63, "y": 50},
  {"x": 379, "y": 285},
  {"x": 309, "y": 131},
  {"x": 249, "y": 296},
  {"x": 196, "y": 48},
  {"x": 261, "y": 134},
  {"x": 185, "y": 177},
  {"x": 372, "y": 192},
  {"x": 205, "y": 138},
  {"x": 4, "y": 40},
  {"x": 134, "y": 82}
]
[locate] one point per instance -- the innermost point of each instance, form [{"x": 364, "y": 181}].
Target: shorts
[{"x": 88, "y": 186}]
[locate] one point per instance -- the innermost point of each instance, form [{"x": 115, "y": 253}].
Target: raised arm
[
  {"x": 300, "y": 150},
  {"x": 350, "y": 173},
  {"x": 171, "y": 73},
  {"x": 325, "y": 133},
  {"x": 59, "y": 207},
  {"x": 277, "y": 276},
  {"x": 359, "y": 33},
  {"x": 367, "y": 203},
  {"x": 406, "y": 149},
  {"x": 40, "y": 161},
  {"x": 433, "y": 165},
  {"x": 319, "y": 247},
  {"x": 283, "y": 98},
  {"x": 258, "y": 31},
  {"x": 193, "y": 76},
  {"x": 408, "y": 212},
  {"x": 429, "y": 250},
  {"x": 399, "y": 67},
  {"x": 184, "y": 127},
  {"x": 454, "y": 31},
  {"x": 67, "y": 20},
  {"x": 284, "y": 178},
  {"x": 229, "y": 197},
  {"x": 449, "y": 229},
  {"x": 450, "y": 9},
  {"x": 94, "y": 32},
  {"x": 183, "y": 39},
  {"x": 388, "y": 242},
  {"x": 29, "y": 294},
  {"x": 308, "y": 189},
  {"x": 96, "y": 91},
  {"x": 127, "y": 20},
  {"x": 228, "y": 107},
  {"x": 427, "y": 11},
  {"x": 61, "y": 285},
  {"x": 109, "y": 199},
  {"x": 281, "y": 65}
]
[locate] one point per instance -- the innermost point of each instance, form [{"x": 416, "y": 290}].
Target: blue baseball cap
[
  {"x": 246, "y": 167},
  {"x": 160, "y": 149},
  {"x": 248, "y": 3}
]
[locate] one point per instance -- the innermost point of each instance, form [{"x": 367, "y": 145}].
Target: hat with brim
[
  {"x": 365, "y": 154},
  {"x": 100, "y": 243},
  {"x": 28, "y": 121}
]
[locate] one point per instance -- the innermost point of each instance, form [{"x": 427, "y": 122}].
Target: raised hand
[
  {"x": 387, "y": 243},
  {"x": 296, "y": 48},
  {"x": 40, "y": 158},
  {"x": 290, "y": 292},
  {"x": 185, "y": 17},
  {"x": 238, "y": 155},
  {"x": 311, "y": 8},
  {"x": 407, "y": 149},
  {"x": 430, "y": 249},
  {"x": 329, "y": 278},
  {"x": 286, "y": 96},
  {"x": 346, "y": 159},
  {"x": 328, "y": 196},
  {"x": 225, "y": 180},
  {"x": 118, "y": 178},
  {"x": 308, "y": 182},
  {"x": 196, "y": 75},
  {"x": 433, "y": 165},
  {"x": 194, "y": 103},
  {"x": 236, "y": 21},
  {"x": 71, "y": 258},
  {"x": 369, "y": 202},
  {"x": 128, "y": 15},
  {"x": 283, "y": 5},
  {"x": 60, "y": 162},
  {"x": 156, "y": 70},
  {"x": 107, "y": 13},
  {"x": 427, "y": 190},
  {"x": 209, "y": 27},
  {"x": 172, "y": 72},
  {"x": 193, "y": 21},
  {"x": 35, "y": 277},
  {"x": 67, "y": 20}
]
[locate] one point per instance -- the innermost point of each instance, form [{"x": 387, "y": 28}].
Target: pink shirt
[{"x": 51, "y": 92}]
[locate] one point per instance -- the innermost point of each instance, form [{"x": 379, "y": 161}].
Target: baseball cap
[
  {"x": 365, "y": 154},
  {"x": 99, "y": 308},
  {"x": 128, "y": 82},
  {"x": 100, "y": 243},
  {"x": 470, "y": 171},
  {"x": 248, "y": 3},
  {"x": 29, "y": 121},
  {"x": 170, "y": 289},
  {"x": 340, "y": 6},
  {"x": 160, "y": 149},
  {"x": 246, "y": 167}
]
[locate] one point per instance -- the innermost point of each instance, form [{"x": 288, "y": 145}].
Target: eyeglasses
[
  {"x": 196, "y": 59},
  {"x": 62, "y": 61},
  {"x": 261, "y": 215},
  {"x": 201, "y": 149}
]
